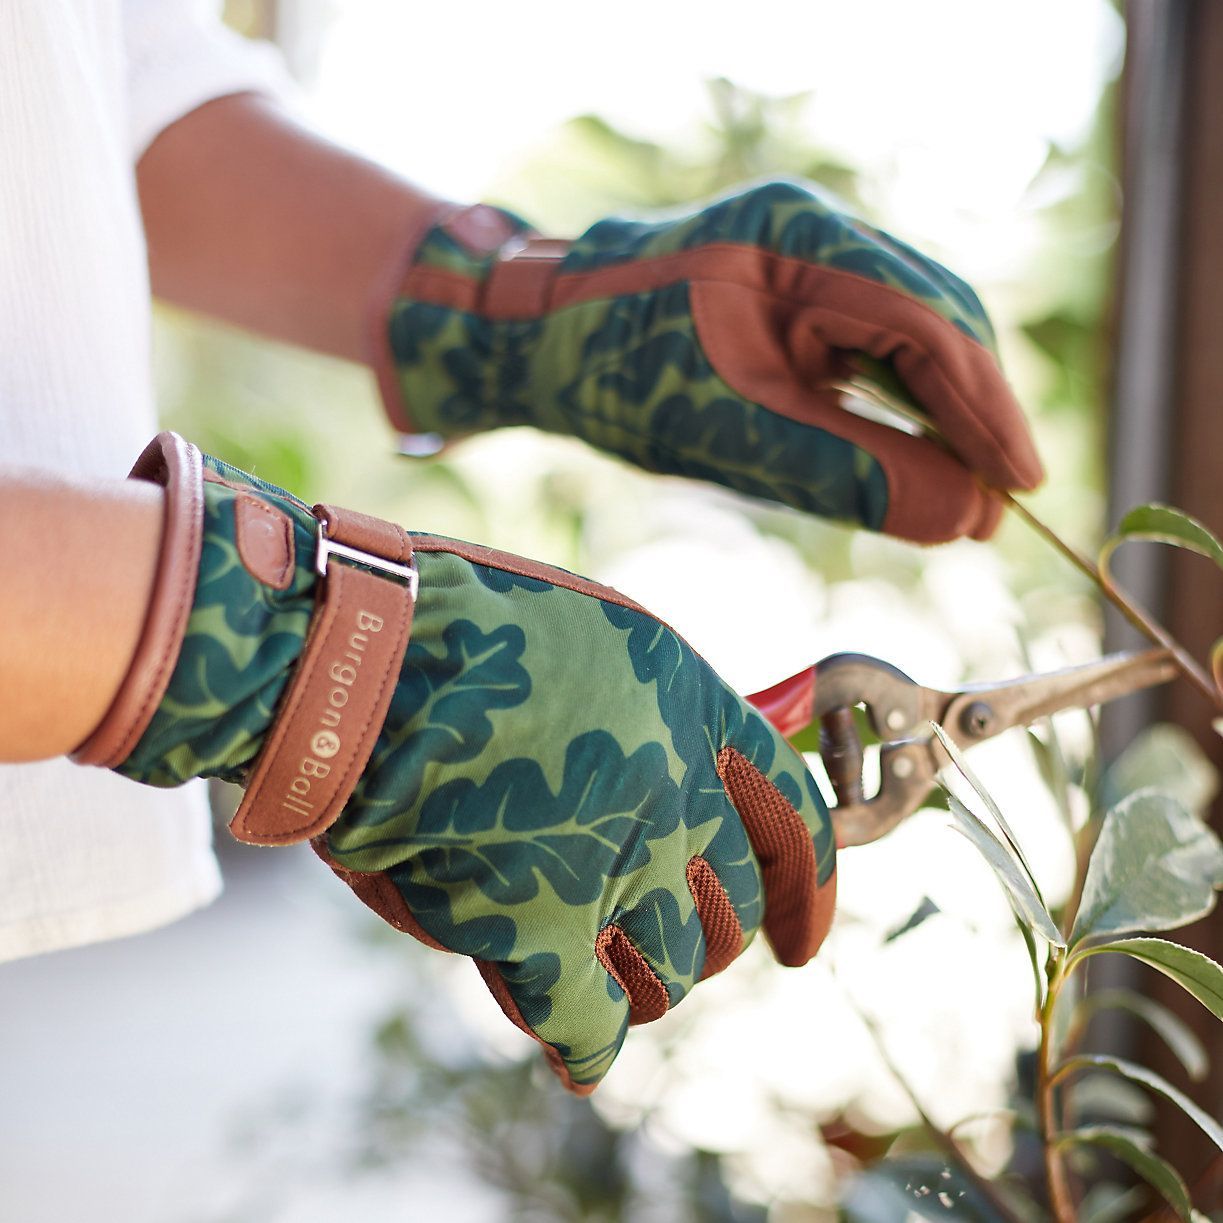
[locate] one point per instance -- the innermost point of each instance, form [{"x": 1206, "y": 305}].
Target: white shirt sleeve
[{"x": 179, "y": 56}]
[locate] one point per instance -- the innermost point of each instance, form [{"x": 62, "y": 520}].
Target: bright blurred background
[{"x": 281, "y": 1059}]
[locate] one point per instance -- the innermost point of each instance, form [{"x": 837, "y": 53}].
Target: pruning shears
[{"x": 900, "y": 711}]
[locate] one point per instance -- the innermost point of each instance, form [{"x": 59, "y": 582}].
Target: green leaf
[
  {"x": 1038, "y": 977},
  {"x": 1166, "y": 758},
  {"x": 1149, "y": 1079},
  {"x": 1154, "y": 867},
  {"x": 1106, "y": 1099},
  {"x": 1068, "y": 341},
  {"x": 925, "y": 909},
  {"x": 1054, "y": 771},
  {"x": 1190, "y": 969},
  {"x": 914, "y": 1187},
  {"x": 1109, "y": 1203},
  {"x": 1132, "y": 1148},
  {"x": 957, "y": 758},
  {"x": 1047, "y": 761},
  {"x": 1176, "y": 1034},
  {"x": 1162, "y": 524},
  {"x": 1021, "y": 892}
]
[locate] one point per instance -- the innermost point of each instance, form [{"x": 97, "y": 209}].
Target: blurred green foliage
[{"x": 550, "y": 1155}]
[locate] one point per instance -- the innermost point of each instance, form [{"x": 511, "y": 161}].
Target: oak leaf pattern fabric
[{"x": 562, "y": 789}]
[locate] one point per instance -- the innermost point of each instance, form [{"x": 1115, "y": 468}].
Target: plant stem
[
  {"x": 865, "y": 387},
  {"x": 1061, "y": 1200},
  {"x": 1122, "y": 602},
  {"x": 942, "y": 1138}
]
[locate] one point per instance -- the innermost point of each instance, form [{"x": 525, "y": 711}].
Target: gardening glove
[
  {"x": 708, "y": 346},
  {"x": 498, "y": 757}
]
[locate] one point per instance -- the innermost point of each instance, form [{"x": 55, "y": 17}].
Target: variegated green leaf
[
  {"x": 1154, "y": 867},
  {"x": 1023, "y": 897},
  {"x": 1132, "y": 1147},
  {"x": 1149, "y": 1079},
  {"x": 1190, "y": 969}
]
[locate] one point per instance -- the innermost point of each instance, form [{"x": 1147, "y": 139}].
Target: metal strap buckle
[{"x": 328, "y": 548}]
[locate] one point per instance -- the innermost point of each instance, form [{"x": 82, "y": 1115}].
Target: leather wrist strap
[
  {"x": 175, "y": 464},
  {"x": 330, "y": 716},
  {"x": 520, "y": 283}
]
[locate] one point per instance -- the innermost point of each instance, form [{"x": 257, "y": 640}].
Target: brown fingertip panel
[
  {"x": 646, "y": 994},
  {"x": 719, "y": 922},
  {"x": 798, "y": 910}
]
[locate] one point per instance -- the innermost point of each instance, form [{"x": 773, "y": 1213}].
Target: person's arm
[
  {"x": 77, "y": 563},
  {"x": 253, "y": 219}
]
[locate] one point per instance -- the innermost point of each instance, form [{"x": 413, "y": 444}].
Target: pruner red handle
[{"x": 789, "y": 705}]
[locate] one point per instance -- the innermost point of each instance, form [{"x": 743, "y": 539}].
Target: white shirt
[{"x": 85, "y": 86}]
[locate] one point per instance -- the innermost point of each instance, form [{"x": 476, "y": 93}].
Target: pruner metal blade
[{"x": 900, "y": 712}]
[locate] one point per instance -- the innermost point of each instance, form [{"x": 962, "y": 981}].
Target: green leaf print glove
[
  {"x": 707, "y": 345},
  {"x": 500, "y": 758}
]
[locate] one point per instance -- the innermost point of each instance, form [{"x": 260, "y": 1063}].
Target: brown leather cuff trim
[
  {"x": 645, "y": 993},
  {"x": 366, "y": 533},
  {"x": 798, "y": 909},
  {"x": 380, "y": 356},
  {"x": 332, "y": 712},
  {"x": 177, "y": 466},
  {"x": 719, "y": 921},
  {"x": 477, "y": 554}
]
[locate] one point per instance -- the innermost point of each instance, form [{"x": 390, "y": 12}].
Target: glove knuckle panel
[
  {"x": 798, "y": 909},
  {"x": 646, "y": 994},
  {"x": 719, "y": 922}
]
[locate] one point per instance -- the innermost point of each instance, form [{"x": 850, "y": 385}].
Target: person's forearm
[
  {"x": 77, "y": 562},
  {"x": 253, "y": 219}
]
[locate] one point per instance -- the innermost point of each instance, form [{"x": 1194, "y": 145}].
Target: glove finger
[
  {"x": 580, "y": 1015},
  {"x": 723, "y": 935},
  {"x": 960, "y": 301},
  {"x": 931, "y": 496},
  {"x": 657, "y": 947},
  {"x": 728, "y": 892},
  {"x": 824, "y": 459},
  {"x": 645, "y": 961},
  {"x": 951, "y": 375},
  {"x": 776, "y": 348},
  {"x": 790, "y": 832}
]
